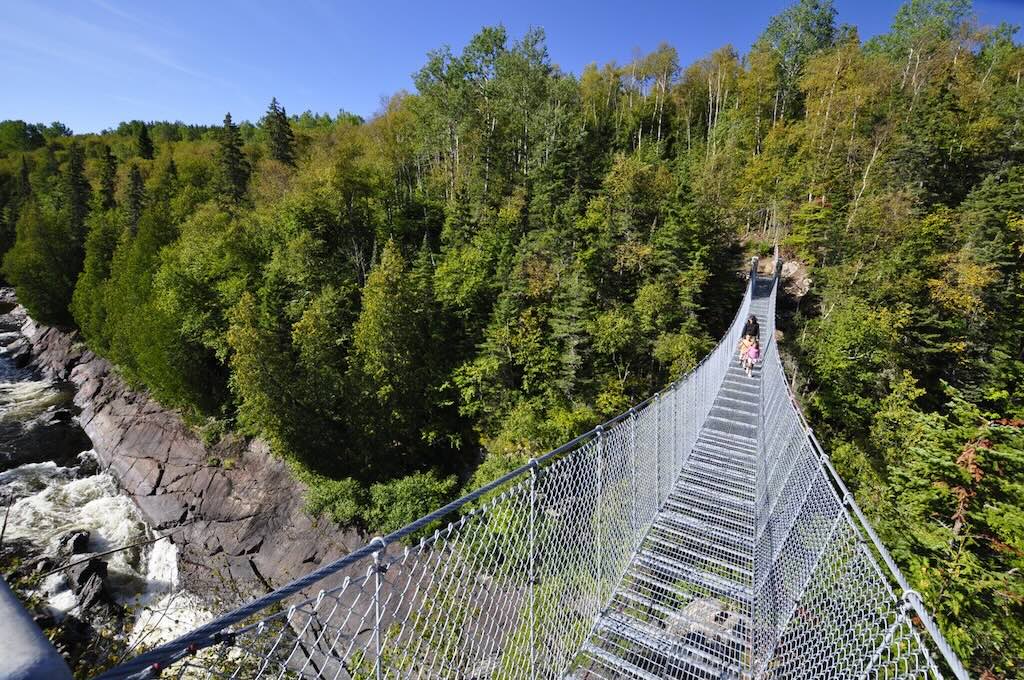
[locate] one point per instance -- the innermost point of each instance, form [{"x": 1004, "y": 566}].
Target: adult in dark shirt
[{"x": 751, "y": 328}]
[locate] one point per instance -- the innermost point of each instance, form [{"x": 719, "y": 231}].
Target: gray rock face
[
  {"x": 240, "y": 527},
  {"x": 74, "y": 542}
]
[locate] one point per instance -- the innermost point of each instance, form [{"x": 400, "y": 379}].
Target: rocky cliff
[{"x": 235, "y": 512}]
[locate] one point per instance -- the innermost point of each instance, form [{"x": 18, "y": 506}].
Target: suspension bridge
[{"x": 702, "y": 534}]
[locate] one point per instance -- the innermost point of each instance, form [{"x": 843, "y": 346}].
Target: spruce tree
[
  {"x": 136, "y": 198},
  {"x": 167, "y": 182},
  {"x": 279, "y": 131},
  {"x": 24, "y": 187},
  {"x": 77, "y": 191},
  {"x": 108, "y": 179},
  {"x": 232, "y": 165},
  {"x": 144, "y": 143}
]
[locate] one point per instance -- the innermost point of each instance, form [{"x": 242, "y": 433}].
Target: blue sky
[{"x": 93, "y": 63}]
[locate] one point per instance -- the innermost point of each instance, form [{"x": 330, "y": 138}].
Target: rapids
[{"x": 44, "y": 501}]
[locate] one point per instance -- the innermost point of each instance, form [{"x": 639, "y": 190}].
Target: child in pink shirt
[{"x": 750, "y": 358}]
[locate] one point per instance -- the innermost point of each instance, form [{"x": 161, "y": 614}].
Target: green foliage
[
  {"x": 43, "y": 263},
  {"x": 960, "y": 528},
  {"x": 17, "y": 135},
  {"x": 853, "y": 349},
  {"x": 108, "y": 179},
  {"x": 88, "y": 305},
  {"x": 279, "y": 133},
  {"x": 77, "y": 192},
  {"x": 398, "y": 502},
  {"x": 802, "y": 29},
  {"x": 135, "y": 198},
  {"x": 343, "y": 500},
  {"x": 233, "y": 168},
  {"x": 496, "y": 263},
  {"x": 395, "y": 378},
  {"x": 923, "y": 23}
]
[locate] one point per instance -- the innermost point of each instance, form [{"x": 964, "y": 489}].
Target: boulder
[
  {"x": 79, "y": 575},
  {"x": 74, "y": 542},
  {"x": 53, "y": 435},
  {"x": 93, "y": 592}
]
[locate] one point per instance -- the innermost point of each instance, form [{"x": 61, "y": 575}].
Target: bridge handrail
[
  {"x": 856, "y": 518},
  {"x": 218, "y": 630}
]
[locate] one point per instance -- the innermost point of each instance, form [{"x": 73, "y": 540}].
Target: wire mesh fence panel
[
  {"x": 822, "y": 605},
  {"x": 646, "y": 464},
  {"x": 847, "y": 623},
  {"x": 701, "y": 534}
]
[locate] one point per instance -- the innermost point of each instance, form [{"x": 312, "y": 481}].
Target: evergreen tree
[
  {"x": 233, "y": 168},
  {"x": 44, "y": 263},
  {"x": 135, "y": 198},
  {"x": 88, "y": 304},
  {"x": 279, "y": 132},
  {"x": 108, "y": 179},
  {"x": 143, "y": 143},
  {"x": 21, "y": 190},
  {"x": 387, "y": 363},
  {"x": 167, "y": 182},
  {"x": 78, "y": 192},
  {"x": 24, "y": 186}
]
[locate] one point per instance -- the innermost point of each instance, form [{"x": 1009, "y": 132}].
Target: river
[{"x": 46, "y": 501}]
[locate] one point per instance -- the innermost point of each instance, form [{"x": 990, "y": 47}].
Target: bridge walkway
[{"x": 683, "y": 608}]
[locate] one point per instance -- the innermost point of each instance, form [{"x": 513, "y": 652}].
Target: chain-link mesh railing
[
  {"x": 509, "y": 588},
  {"x": 508, "y": 581},
  {"x": 823, "y": 605}
]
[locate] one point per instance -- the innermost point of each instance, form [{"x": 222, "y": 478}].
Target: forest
[{"x": 407, "y": 306}]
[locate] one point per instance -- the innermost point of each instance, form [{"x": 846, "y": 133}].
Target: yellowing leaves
[
  {"x": 632, "y": 256},
  {"x": 540, "y": 277},
  {"x": 960, "y": 289}
]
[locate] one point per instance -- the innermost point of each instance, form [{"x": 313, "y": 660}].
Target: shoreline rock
[{"x": 240, "y": 530}]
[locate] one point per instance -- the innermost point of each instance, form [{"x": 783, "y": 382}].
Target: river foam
[
  {"x": 165, "y": 611},
  {"x": 50, "y": 501},
  {"x": 23, "y": 401}
]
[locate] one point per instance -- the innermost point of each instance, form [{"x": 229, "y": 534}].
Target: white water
[
  {"x": 47, "y": 501},
  {"x": 22, "y": 401},
  {"x": 165, "y": 610},
  {"x": 64, "y": 503},
  {"x": 51, "y": 501}
]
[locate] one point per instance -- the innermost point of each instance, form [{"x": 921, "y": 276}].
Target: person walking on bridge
[
  {"x": 751, "y": 356},
  {"x": 751, "y": 329}
]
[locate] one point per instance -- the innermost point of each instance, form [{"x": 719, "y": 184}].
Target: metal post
[
  {"x": 632, "y": 469},
  {"x": 657, "y": 448},
  {"x": 377, "y": 570},
  {"x": 599, "y": 511},
  {"x": 533, "y": 566}
]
